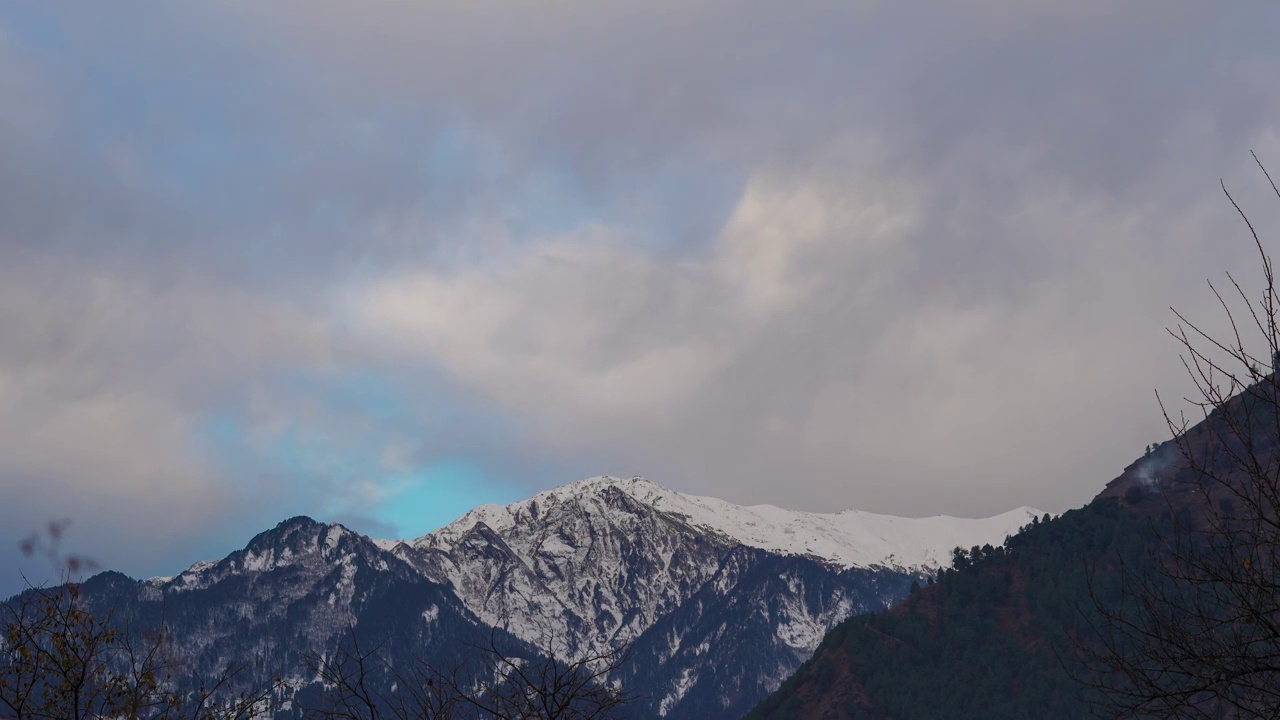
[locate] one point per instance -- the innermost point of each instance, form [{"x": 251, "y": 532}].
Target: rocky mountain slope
[
  {"x": 607, "y": 563},
  {"x": 302, "y": 586},
  {"x": 714, "y": 603},
  {"x": 597, "y": 562}
]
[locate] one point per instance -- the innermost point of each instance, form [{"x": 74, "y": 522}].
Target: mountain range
[{"x": 713, "y": 604}]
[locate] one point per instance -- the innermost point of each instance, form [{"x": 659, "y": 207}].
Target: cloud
[
  {"x": 104, "y": 379},
  {"x": 821, "y": 336},
  {"x": 586, "y": 325},
  {"x": 265, "y": 258}
]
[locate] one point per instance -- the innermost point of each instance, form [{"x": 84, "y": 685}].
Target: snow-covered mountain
[
  {"x": 849, "y": 539},
  {"x": 714, "y": 603},
  {"x": 608, "y": 563}
]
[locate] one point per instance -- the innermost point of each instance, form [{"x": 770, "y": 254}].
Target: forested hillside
[
  {"x": 985, "y": 641},
  {"x": 1155, "y": 599}
]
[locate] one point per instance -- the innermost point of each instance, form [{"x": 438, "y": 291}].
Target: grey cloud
[
  {"x": 871, "y": 381},
  {"x": 949, "y": 298},
  {"x": 105, "y": 379}
]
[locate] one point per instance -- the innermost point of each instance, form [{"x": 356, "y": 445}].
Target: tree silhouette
[
  {"x": 364, "y": 683},
  {"x": 1197, "y": 631},
  {"x": 60, "y": 661}
]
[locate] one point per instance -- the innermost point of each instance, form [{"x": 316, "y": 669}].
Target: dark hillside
[
  {"x": 997, "y": 636},
  {"x": 982, "y": 642}
]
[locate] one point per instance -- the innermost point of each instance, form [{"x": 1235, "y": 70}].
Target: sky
[{"x": 378, "y": 263}]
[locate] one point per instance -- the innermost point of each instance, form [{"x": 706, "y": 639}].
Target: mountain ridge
[
  {"x": 848, "y": 538},
  {"x": 715, "y": 603}
]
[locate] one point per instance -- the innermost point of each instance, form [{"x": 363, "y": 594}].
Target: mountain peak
[
  {"x": 848, "y": 539},
  {"x": 598, "y": 483}
]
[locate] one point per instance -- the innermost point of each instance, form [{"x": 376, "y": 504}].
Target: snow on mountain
[
  {"x": 300, "y": 587},
  {"x": 716, "y": 602},
  {"x": 585, "y": 567},
  {"x": 847, "y": 539},
  {"x": 593, "y": 565}
]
